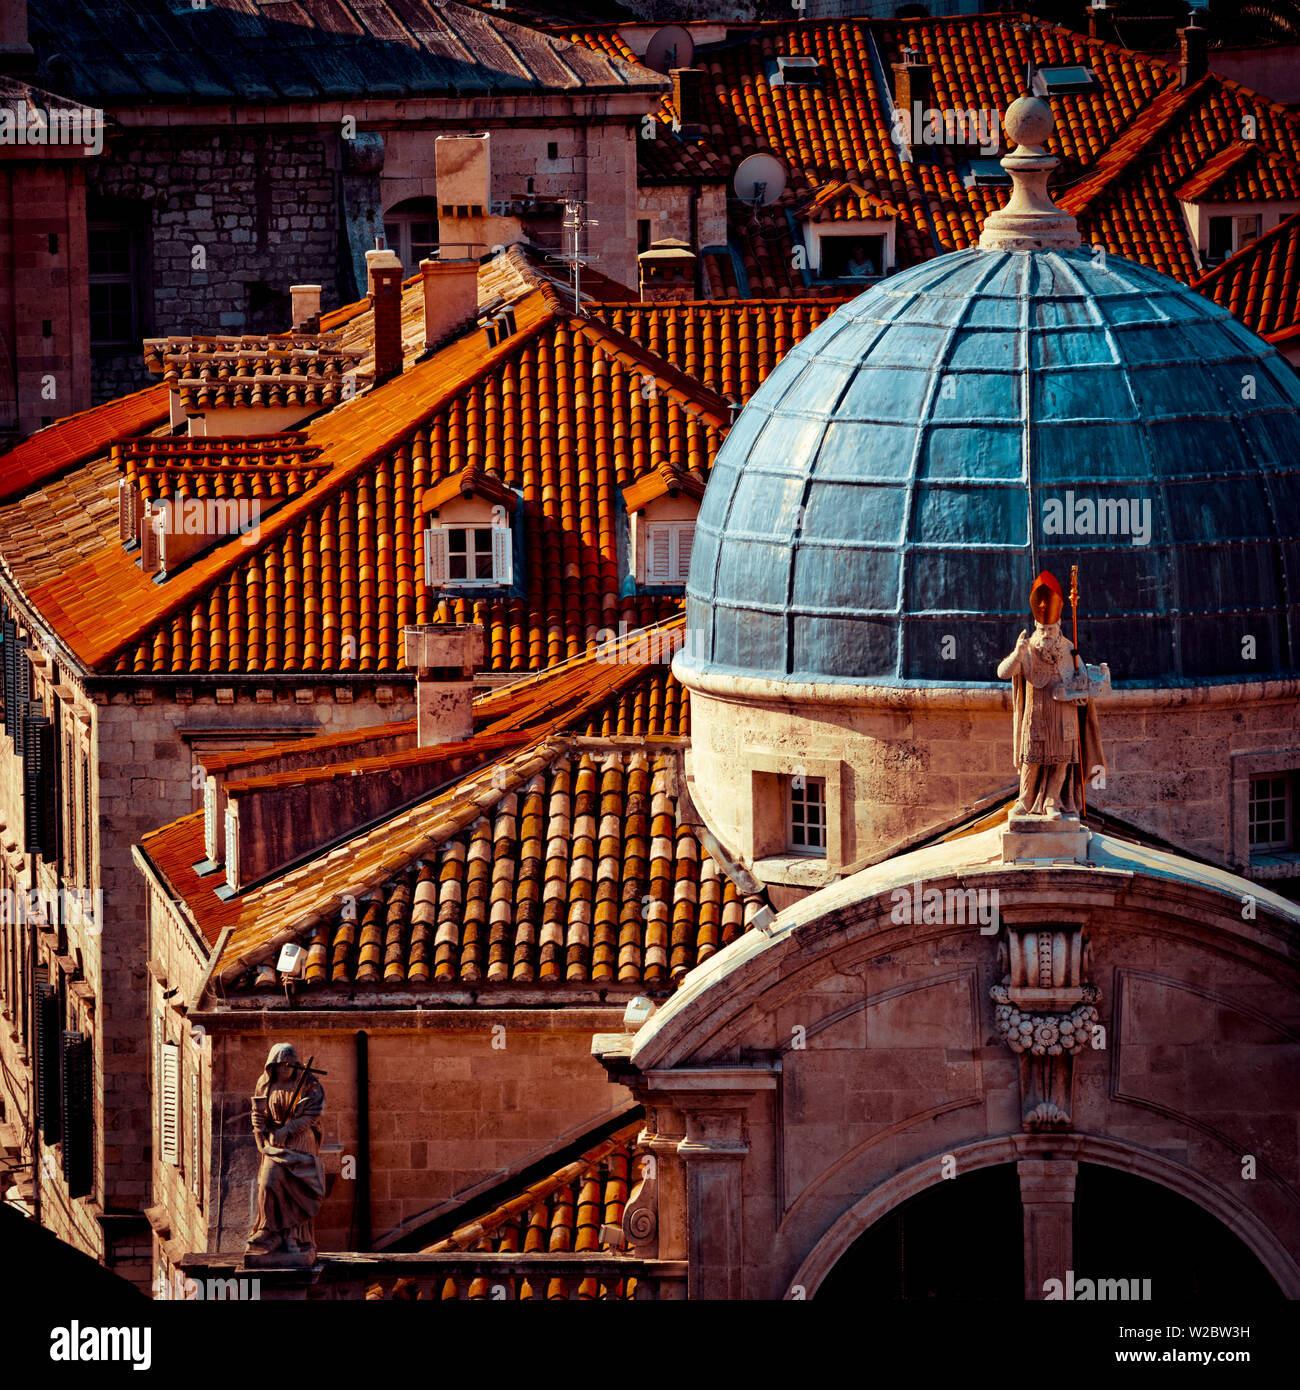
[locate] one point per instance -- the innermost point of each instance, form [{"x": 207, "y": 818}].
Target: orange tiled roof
[
  {"x": 729, "y": 346},
  {"x": 1261, "y": 283},
  {"x": 838, "y": 202},
  {"x": 271, "y": 468},
  {"x": 564, "y": 413},
  {"x": 289, "y": 369},
  {"x": 574, "y": 868},
  {"x": 77, "y": 439}
]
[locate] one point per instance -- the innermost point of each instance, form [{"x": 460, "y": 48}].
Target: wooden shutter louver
[
  {"x": 503, "y": 560},
  {"x": 49, "y": 1071},
  {"x": 78, "y": 1115},
  {"x": 435, "y": 557},
  {"x": 40, "y": 794},
  {"x": 11, "y": 676},
  {"x": 196, "y": 1147},
  {"x": 125, "y": 511},
  {"x": 87, "y": 843},
  {"x": 659, "y": 568},
  {"x": 685, "y": 539},
  {"x": 169, "y": 1113}
]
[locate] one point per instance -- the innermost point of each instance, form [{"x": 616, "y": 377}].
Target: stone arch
[{"x": 1258, "y": 1238}]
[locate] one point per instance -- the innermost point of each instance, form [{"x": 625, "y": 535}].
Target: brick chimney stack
[
  {"x": 450, "y": 296},
  {"x": 688, "y": 99},
  {"x": 305, "y": 300},
  {"x": 913, "y": 87},
  {"x": 445, "y": 657},
  {"x": 1193, "y": 56},
  {"x": 384, "y": 273}
]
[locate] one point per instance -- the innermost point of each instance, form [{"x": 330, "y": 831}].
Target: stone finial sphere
[{"x": 1029, "y": 121}]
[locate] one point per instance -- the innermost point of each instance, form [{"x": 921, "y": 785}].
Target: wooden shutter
[
  {"x": 49, "y": 1090},
  {"x": 125, "y": 511},
  {"x": 87, "y": 831},
  {"x": 659, "y": 543},
  {"x": 196, "y": 1147},
  {"x": 78, "y": 1116},
  {"x": 169, "y": 1115},
  {"x": 11, "y": 676},
  {"x": 40, "y": 794},
  {"x": 150, "y": 544},
  {"x": 71, "y": 810},
  {"x": 503, "y": 560},
  {"x": 685, "y": 539},
  {"x": 435, "y": 557}
]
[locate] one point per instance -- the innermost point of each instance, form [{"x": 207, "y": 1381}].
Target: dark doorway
[
  {"x": 1128, "y": 1228},
  {"x": 960, "y": 1241}
]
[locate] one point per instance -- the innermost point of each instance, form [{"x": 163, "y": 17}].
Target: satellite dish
[
  {"x": 760, "y": 179},
  {"x": 670, "y": 48}
]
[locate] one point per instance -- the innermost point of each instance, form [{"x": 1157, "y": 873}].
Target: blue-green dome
[{"x": 910, "y": 466}]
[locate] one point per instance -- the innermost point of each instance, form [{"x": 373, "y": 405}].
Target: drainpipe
[
  {"x": 363, "y": 1141},
  {"x": 29, "y": 1009}
]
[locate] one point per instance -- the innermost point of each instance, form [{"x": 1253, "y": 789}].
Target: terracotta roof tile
[{"x": 1261, "y": 283}]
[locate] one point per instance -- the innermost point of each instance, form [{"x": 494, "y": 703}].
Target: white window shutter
[
  {"x": 503, "y": 560},
  {"x": 659, "y": 554},
  {"x": 435, "y": 557},
  {"x": 685, "y": 539},
  {"x": 151, "y": 542},
  {"x": 170, "y": 1117},
  {"x": 125, "y": 511},
  {"x": 196, "y": 1146}
]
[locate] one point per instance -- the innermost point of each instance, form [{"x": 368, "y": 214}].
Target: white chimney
[
  {"x": 450, "y": 296},
  {"x": 445, "y": 657},
  {"x": 382, "y": 259},
  {"x": 306, "y": 308}
]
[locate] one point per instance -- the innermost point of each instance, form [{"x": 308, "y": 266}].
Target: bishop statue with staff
[{"x": 1057, "y": 736}]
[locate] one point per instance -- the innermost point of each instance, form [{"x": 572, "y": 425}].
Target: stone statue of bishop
[{"x": 1055, "y": 748}]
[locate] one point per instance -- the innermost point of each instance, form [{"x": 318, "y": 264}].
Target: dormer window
[
  {"x": 1228, "y": 234},
  {"x": 662, "y": 505},
  {"x": 465, "y": 557},
  {"x": 849, "y": 234},
  {"x": 469, "y": 543},
  {"x": 985, "y": 173}
]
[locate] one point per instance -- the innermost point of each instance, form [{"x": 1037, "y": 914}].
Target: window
[
  {"x": 552, "y": 150},
  {"x": 668, "y": 551},
  {"x": 411, "y": 231},
  {"x": 459, "y": 557},
  {"x": 807, "y": 818},
  {"x": 1228, "y": 234},
  {"x": 794, "y": 70},
  {"x": 851, "y": 257},
  {"x": 1271, "y": 812},
  {"x": 111, "y": 265},
  {"x": 985, "y": 173}
]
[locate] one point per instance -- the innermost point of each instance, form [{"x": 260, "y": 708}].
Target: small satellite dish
[
  {"x": 760, "y": 179},
  {"x": 670, "y": 48}
]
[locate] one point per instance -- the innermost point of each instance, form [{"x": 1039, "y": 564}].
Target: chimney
[
  {"x": 913, "y": 88},
  {"x": 306, "y": 308},
  {"x": 667, "y": 272},
  {"x": 1097, "y": 11},
  {"x": 16, "y": 53},
  {"x": 450, "y": 296},
  {"x": 688, "y": 99},
  {"x": 1193, "y": 61},
  {"x": 384, "y": 276},
  {"x": 445, "y": 657}
]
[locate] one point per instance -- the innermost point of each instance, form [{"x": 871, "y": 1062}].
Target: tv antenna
[{"x": 575, "y": 225}]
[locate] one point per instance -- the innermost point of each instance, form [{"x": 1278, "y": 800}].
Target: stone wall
[
  {"x": 44, "y": 306},
  {"x": 456, "y": 1097},
  {"x": 874, "y": 1070},
  {"x": 1178, "y": 761},
  {"x": 229, "y": 221}
]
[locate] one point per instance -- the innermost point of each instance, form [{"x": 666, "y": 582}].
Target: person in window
[{"x": 860, "y": 266}]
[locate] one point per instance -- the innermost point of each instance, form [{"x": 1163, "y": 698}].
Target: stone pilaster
[{"x": 1047, "y": 1201}]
